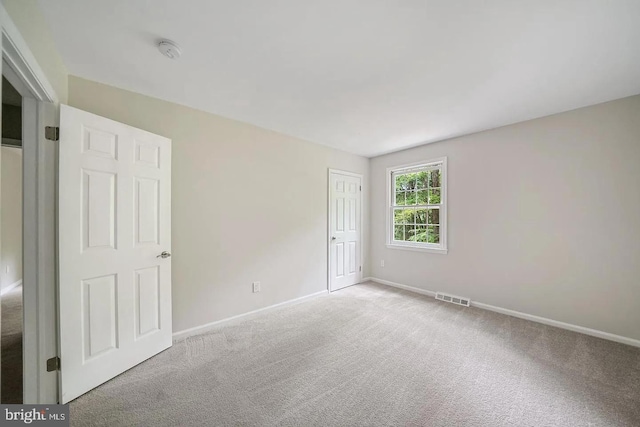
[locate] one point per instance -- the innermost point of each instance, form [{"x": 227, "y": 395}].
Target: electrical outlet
[
  {"x": 382, "y": 263},
  {"x": 256, "y": 287}
]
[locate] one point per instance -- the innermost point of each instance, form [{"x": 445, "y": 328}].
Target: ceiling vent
[
  {"x": 453, "y": 299},
  {"x": 169, "y": 49}
]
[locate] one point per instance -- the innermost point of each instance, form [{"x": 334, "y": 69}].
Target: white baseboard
[
  {"x": 568, "y": 326},
  {"x": 185, "y": 333},
  {"x": 11, "y": 287},
  {"x": 401, "y": 286}
]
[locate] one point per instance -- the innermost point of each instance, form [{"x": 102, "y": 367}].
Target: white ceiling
[{"x": 365, "y": 76}]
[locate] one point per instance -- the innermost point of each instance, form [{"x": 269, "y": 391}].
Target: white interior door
[
  {"x": 345, "y": 229},
  {"x": 114, "y": 223}
]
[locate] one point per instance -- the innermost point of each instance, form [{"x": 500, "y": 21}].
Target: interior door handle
[
  {"x": 333, "y": 238},
  {"x": 164, "y": 254}
]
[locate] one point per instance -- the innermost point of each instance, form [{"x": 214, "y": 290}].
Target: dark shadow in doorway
[{"x": 12, "y": 346}]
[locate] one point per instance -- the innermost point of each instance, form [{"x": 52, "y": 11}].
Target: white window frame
[{"x": 441, "y": 247}]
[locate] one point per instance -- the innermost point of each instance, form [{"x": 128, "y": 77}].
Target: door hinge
[
  {"x": 361, "y": 188},
  {"x": 52, "y": 133},
  {"x": 360, "y": 268},
  {"x": 53, "y": 364}
]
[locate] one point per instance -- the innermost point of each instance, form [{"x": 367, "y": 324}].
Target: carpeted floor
[
  {"x": 370, "y": 355},
  {"x": 11, "y": 343}
]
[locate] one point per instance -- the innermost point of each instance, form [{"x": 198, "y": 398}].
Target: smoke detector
[{"x": 169, "y": 49}]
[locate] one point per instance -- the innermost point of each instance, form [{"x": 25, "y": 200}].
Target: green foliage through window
[{"x": 416, "y": 210}]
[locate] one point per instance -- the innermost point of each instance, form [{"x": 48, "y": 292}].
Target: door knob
[
  {"x": 333, "y": 237},
  {"x": 164, "y": 254}
]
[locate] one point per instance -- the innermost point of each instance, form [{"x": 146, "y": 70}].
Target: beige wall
[
  {"x": 248, "y": 205},
  {"x": 29, "y": 20},
  {"x": 11, "y": 216},
  {"x": 544, "y": 218}
]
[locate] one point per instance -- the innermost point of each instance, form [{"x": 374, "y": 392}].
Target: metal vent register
[{"x": 453, "y": 299}]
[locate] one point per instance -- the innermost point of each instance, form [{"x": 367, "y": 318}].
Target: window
[{"x": 417, "y": 206}]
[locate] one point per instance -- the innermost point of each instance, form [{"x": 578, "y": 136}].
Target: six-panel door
[
  {"x": 345, "y": 230},
  {"x": 114, "y": 221}
]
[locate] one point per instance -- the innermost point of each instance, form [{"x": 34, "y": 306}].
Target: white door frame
[
  {"x": 39, "y": 214},
  {"x": 329, "y": 213}
]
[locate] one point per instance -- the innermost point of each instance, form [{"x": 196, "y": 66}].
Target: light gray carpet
[
  {"x": 370, "y": 355},
  {"x": 11, "y": 343}
]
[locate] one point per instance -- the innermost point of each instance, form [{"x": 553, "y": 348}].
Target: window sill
[{"x": 442, "y": 251}]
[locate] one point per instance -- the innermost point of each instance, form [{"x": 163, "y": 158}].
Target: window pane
[
  {"x": 421, "y": 216},
  {"x": 434, "y": 178},
  {"x": 409, "y": 233},
  {"x": 434, "y": 196},
  {"x": 409, "y": 216},
  {"x": 398, "y": 232},
  {"x": 411, "y": 180},
  {"x": 411, "y": 198},
  {"x": 421, "y": 180},
  {"x": 433, "y": 234},
  {"x": 400, "y": 198},
  {"x": 421, "y": 233},
  {"x": 404, "y": 216},
  {"x": 422, "y": 197},
  {"x": 433, "y": 216},
  {"x": 402, "y": 182}
]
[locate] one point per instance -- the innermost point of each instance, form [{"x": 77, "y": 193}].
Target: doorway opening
[
  {"x": 11, "y": 248},
  {"x": 39, "y": 165}
]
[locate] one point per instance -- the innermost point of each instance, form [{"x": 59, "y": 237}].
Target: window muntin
[{"x": 417, "y": 206}]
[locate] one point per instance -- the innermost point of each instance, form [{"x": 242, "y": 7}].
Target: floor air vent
[{"x": 453, "y": 299}]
